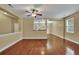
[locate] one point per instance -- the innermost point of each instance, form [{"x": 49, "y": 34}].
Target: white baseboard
[
  {"x": 9, "y": 45},
  {"x": 34, "y": 37},
  {"x": 58, "y": 36},
  {"x": 72, "y": 40}
]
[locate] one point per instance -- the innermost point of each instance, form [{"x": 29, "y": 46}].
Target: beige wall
[
  {"x": 58, "y": 28},
  {"x": 74, "y": 36},
  {"x": 28, "y": 29},
  {"x": 20, "y": 25},
  {"x": 5, "y": 24},
  {"x": 49, "y": 27}
]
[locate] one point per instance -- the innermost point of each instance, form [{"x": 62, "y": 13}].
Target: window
[
  {"x": 39, "y": 24},
  {"x": 70, "y": 25}
]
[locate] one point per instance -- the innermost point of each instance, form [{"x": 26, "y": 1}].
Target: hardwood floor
[
  {"x": 73, "y": 46},
  {"x": 53, "y": 46},
  {"x": 27, "y": 47},
  {"x": 57, "y": 45}
]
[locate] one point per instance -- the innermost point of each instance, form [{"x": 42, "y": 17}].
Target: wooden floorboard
[
  {"x": 73, "y": 46},
  {"x": 26, "y": 47},
  {"x": 39, "y": 47}
]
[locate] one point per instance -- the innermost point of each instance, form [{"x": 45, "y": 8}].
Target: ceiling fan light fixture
[{"x": 33, "y": 14}]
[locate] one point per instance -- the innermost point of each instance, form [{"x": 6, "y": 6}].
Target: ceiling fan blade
[
  {"x": 27, "y": 11},
  {"x": 39, "y": 14},
  {"x": 28, "y": 15}
]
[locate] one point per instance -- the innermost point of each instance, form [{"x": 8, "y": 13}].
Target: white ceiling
[{"x": 48, "y": 10}]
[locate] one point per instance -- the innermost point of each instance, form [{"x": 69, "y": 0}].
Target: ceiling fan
[{"x": 33, "y": 12}]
